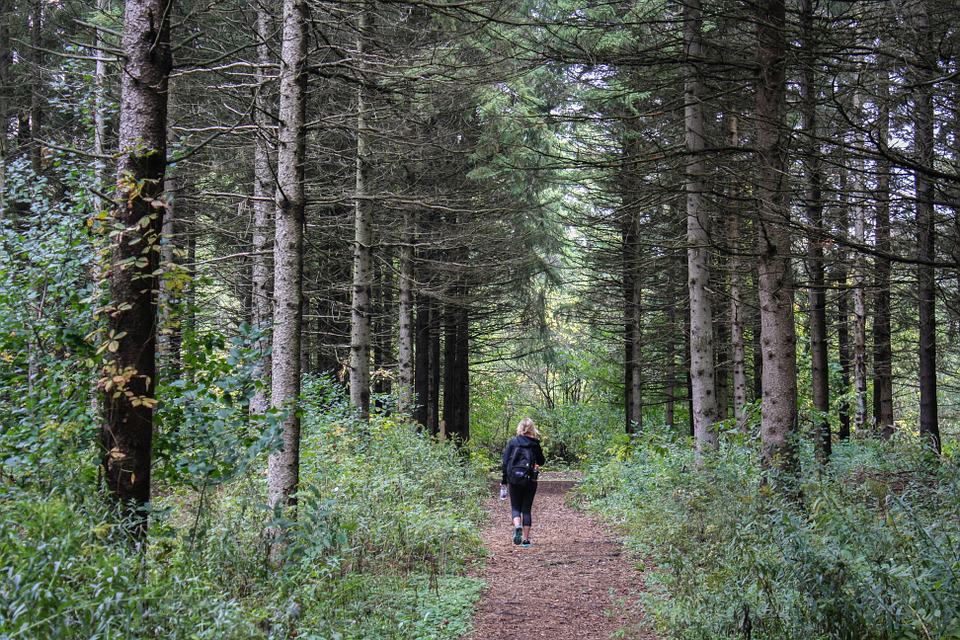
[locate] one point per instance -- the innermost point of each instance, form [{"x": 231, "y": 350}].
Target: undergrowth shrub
[
  {"x": 873, "y": 551},
  {"x": 571, "y": 433},
  {"x": 575, "y": 433},
  {"x": 67, "y": 574},
  {"x": 401, "y": 499},
  {"x": 47, "y": 357},
  {"x": 387, "y": 519}
]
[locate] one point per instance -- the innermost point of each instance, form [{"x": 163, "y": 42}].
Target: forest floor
[{"x": 575, "y": 583}]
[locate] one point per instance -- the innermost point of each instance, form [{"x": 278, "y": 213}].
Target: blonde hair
[{"x": 526, "y": 427}]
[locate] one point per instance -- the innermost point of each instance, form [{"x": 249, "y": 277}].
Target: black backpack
[{"x": 520, "y": 471}]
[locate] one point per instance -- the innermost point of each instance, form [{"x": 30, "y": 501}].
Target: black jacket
[{"x": 520, "y": 441}]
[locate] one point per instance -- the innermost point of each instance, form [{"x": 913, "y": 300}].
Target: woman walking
[{"x": 522, "y": 459}]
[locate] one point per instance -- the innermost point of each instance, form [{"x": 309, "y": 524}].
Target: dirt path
[{"x": 569, "y": 586}]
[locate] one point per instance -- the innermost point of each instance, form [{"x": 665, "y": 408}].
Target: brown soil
[{"x": 574, "y": 583}]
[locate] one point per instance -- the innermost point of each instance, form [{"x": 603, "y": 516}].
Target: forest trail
[{"x": 571, "y": 585}]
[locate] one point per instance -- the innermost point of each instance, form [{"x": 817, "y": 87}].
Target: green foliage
[
  {"x": 573, "y": 434},
  {"x": 205, "y": 432},
  {"x": 363, "y": 476},
  {"x": 47, "y": 302},
  {"x": 387, "y": 519},
  {"x": 66, "y": 577},
  {"x": 873, "y": 551}
]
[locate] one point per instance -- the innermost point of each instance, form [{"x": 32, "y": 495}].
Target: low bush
[
  {"x": 873, "y": 550},
  {"x": 387, "y": 519},
  {"x": 575, "y": 433},
  {"x": 571, "y": 433}
]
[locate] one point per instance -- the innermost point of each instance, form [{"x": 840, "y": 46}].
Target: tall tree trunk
[
  {"x": 756, "y": 351},
  {"x": 433, "y": 371},
  {"x": 36, "y": 85},
  {"x": 738, "y": 365},
  {"x": 882, "y": 348},
  {"x": 636, "y": 339},
  {"x": 362, "y": 252},
  {"x": 305, "y": 350},
  {"x": 671, "y": 373},
  {"x": 6, "y": 62},
  {"x": 923, "y": 132},
  {"x": 421, "y": 372},
  {"x": 170, "y": 339},
  {"x": 381, "y": 335},
  {"x": 737, "y": 346},
  {"x": 817, "y": 296},
  {"x": 283, "y": 471},
  {"x": 100, "y": 104},
  {"x": 405, "y": 320},
  {"x": 702, "y": 374},
  {"x": 843, "y": 315},
  {"x": 449, "y": 372},
  {"x": 100, "y": 175},
  {"x": 261, "y": 271},
  {"x": 673, "y": 326},
  {"x": 427, "y": 370},
  {"x": 632, "y": 292},
  {"x": 778, "y": 338},
  {"x": 628, "y": 360},
  {"x": 455, "y": 372},
  {"x": 463, "y": 381},
  {"x": 130, "y": 373},
  {"x": 859, "y": 289},
  {"x": 721, "y": 340},
  {"x": 631, "y": 281}
]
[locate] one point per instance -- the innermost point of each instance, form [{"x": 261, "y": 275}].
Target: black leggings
[{"x": 521, "y": 502}]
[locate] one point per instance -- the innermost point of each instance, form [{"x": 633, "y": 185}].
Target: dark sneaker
[
  {"x": 517, "y": 535},
  {"x": 526, "y": 544}
]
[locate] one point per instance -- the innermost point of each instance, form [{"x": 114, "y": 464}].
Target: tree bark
[
  {"x": 261, "y": 270},
  {"x": 629, "y": 282},
  {"x": 100, "y": 105},
  {"x": 405, "y": 321},
  {"x": 383, "y": 336},
  {"x": 283, "y": 472},
  {"x": 721, "y": 340},
  {"x": 427, "y": 370},
  {"x": 36, "y": 86},
  {"x": 859, "y": 285},
  {"x": 882, "y": 348},
  {"x": 170, "y": 339},
  {"x": 756, "y": 350},
  {"x": 671, "y": 371},
  {"x": 817, "y": 295},
  {"x": 362, "y": 252},
  {"x": 6, "y": 62},
  {"x": 421, "y": 372},
  {"x": 632, "y": 292},
  {"x": 456, "y": 375},
  {"x": 738, "y": 366},
  {"x": 433, "y": 371},
  {"x": 778, "y": 338},
  {"x": 130, "y": 381},
  {"x": 702, "y": 373},
  {"x": 923, "y": 132},
  {"x": 636, "y": 338},
  {"x": 843, "y": 328}
]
